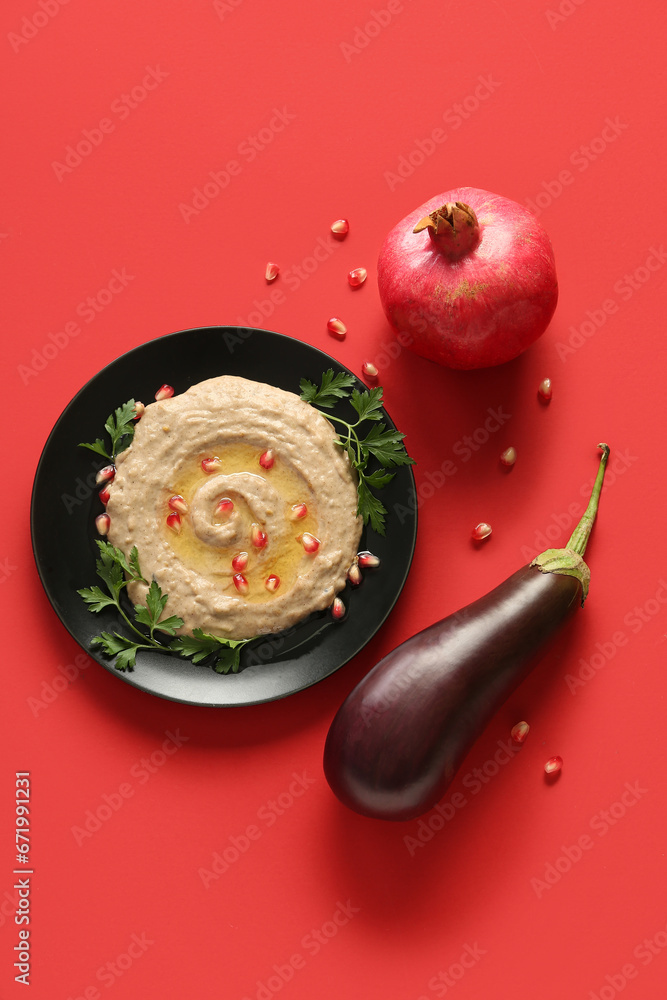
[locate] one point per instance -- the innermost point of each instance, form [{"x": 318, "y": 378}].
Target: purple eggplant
[{"x": 400, "y": 736}]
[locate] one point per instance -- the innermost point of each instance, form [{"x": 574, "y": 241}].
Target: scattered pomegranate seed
[
  {"x": 267, "y": 459},
  {"x": 103, "y": 523},
  {"x": 240, "y": 583},
  {"x": 367, "y": 560},
  {"x": 369, "y": 370},
  {"x": 272, "y": 272},
  {"x": 257, "y": 536},
  {"x": 164, "y": 392},
  {"x": 309, "y": 542},
  {"x": 520, "y": 731},
  {"x": 554, "y": 765},
  {"x": 106, "y": 475},
  {"x": 272, "y": 582},
  {"x": 336, "y": 327},
  {"x": 357, "y": 276},
  {"x": 481, "y": 531},
  {"x": 210, "y": 465},
  {"x": 104, "y": 495},
  {"x": 297, "y": 511},
  {"x": 337, "y": 609},
  {"x": 508, "y": 457},
  {"x": 224, "y": 506},
  {"x": 340, "y": 228},
  {"x": 354, "y": 574},
  {"x": 240, "y": 561},
  {"x": 139, "y": 410},
  {"x": 174, "y": 522},
  {"x": 178, "y": 504},
  {"x": 544, "y": 389}
]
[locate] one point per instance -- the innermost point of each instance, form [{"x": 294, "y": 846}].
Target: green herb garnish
[
  {"x": 380, "y": 443},
  {"x": 200, "y": 644},
  {"x": 116, "y": 572},
  {"x": 120, "y": 428}
]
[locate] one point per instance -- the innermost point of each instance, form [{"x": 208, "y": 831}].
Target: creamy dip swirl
[{"x": 235, "y": 421}]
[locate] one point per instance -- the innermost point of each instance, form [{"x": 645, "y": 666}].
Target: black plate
[{"x": 65, "y": 504}]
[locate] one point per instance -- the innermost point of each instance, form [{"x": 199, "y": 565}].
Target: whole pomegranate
[{"x": 468, "y": 279}]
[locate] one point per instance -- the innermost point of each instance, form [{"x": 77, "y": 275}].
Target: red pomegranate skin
[{"x": 484, "y": 308}]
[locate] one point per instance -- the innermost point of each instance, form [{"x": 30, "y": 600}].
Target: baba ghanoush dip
[{"x": 242, "y": 507}]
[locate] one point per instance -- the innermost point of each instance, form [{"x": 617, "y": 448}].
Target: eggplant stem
[{"x": 579, "y": 538}]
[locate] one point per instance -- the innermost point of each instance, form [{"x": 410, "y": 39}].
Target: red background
[{"x": 357, "y": 99}]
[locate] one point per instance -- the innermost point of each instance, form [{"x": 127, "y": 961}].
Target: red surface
[{"x": 576, "y": 92}]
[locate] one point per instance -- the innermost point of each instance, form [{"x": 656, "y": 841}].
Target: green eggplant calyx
[
  {"x": 566, "y": 562},
  {"x": 570, "y": 560}
]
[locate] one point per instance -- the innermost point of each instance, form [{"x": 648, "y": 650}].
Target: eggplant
[{"x": 400, "y": 736}]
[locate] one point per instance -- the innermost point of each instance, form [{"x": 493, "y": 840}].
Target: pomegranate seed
[
  {"x": 520, "y": 731},
  {"x": 336, "y": 327},
  {"x": 267, "y": 459},
  {"x": 508, "y": 457},
  {"x": 210, "y": 465},
  {"x": 174, "y": 522},
  {"x": 164, "y": 392},
  {"x": 104, "y": 495},
  {"x": 257, "y": 536},
  {"x": 106, "y": 475},
  {"x": 240, "y": 583},
  {"x": 224, "y": 507},
  {"x": 139, "y": 410},
  {"x": 554, "y": 765},
  {"x": 367, "y": 560},
  {"x": 309, "y": 542},
  {"x": 369, "y": 370},
  {"x": 240, "y": 561},
  {"x": 357, "y": 276},
  {"x": 544, "y": 389},
  {"x": 338, "y": 609},
  {"x": 481, "y": 531},
  {"x": 297, "y": 511},
  {"x": 103, "y": 523},
  {"x": 178, "y": 504},
  {"x": 340, "y": 228},
  {"x": 272, "y": 271},
  {"x": 354, "y": 574},
  {"x": 272, "y": 583}
]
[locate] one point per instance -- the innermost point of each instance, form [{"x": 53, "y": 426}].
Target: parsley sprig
[
  {"x": 380, "y": 443},
  {"x": 120, "y": 428},
  {"x": 116, "y": 572}
]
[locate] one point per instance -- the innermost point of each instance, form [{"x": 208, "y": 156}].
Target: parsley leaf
[
  {"x": 97, "y": 446},
  {"x": 370, "y": 508},
  {"x": 96, "y": 599},
  {"x": 125, "y": 650},
  {"x": 150, "y": 613},
  {"x": 381, "y": 444},
  {"x": 112, "y": 573},
  {"x": 111, "y": 554},
  {"x": 133, "y": 568},
  {"x": 385, "y": 445},
  {"x": 379, "y": 478},
  {"x": 120, "y": 428},
  {"x": 332, "y": 388},
  {"x": 201, "y": 645},
  {"x": 368, "y": 404}
]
